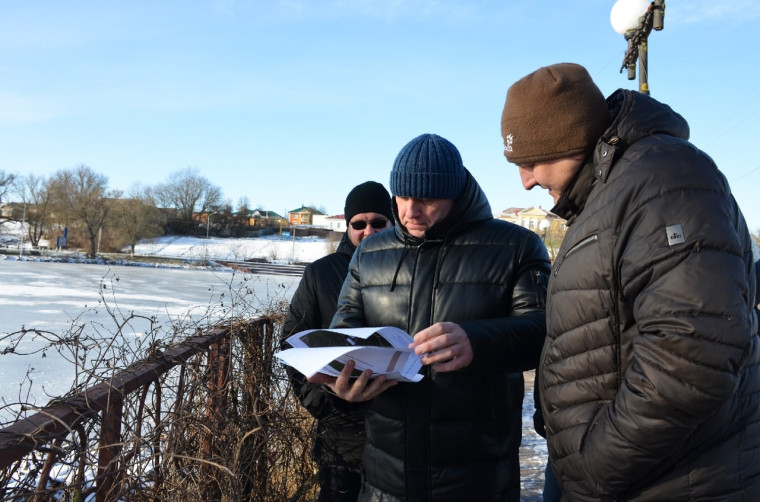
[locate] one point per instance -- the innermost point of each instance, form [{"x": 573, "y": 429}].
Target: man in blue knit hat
[{"x": 470, "y": 289}]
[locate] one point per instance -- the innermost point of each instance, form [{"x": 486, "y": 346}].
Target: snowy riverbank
[{"x": 191, "y": 252}]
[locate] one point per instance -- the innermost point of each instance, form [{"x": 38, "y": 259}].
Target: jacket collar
[
  {"x": 634, "y": 117},
  {"x": 345, "y": 246}
]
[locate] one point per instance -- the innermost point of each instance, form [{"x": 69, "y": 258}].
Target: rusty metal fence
[{"x": 210, "y": 418}]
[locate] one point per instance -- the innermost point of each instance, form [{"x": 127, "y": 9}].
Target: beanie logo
[{"x": 508, "y": 142}]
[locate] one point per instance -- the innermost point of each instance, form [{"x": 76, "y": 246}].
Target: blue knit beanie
[{"x": 428, "y": 167}]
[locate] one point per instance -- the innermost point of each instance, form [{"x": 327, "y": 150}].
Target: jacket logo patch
[{"x": 675, "y": 234}]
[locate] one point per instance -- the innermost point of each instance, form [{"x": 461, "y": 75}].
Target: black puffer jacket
[
  {"x": 650, "y": 378},
  {"x": 340, "y": 425},
  {"x": 453, "y": 436}
]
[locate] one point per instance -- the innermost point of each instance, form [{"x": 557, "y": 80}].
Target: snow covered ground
[{"x": 273, "y": 249}]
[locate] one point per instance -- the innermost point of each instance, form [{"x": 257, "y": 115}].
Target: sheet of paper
[
  {"x": 386, "y": 335},
  {"x": 328, "y": 350}
]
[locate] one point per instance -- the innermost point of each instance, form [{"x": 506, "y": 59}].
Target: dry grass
[{"x": 222, "y": 426}]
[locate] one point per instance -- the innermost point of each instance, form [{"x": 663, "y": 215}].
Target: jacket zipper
[{"x": 585, "y": 242}]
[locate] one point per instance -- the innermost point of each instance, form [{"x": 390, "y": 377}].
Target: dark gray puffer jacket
[
  {"x": 650, "y": 378},
  {"x": 453, "y": 436}
]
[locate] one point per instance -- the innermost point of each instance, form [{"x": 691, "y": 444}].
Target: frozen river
[
  {"x": 96, "y": 301},
  {"x": 65, "y": 297}
]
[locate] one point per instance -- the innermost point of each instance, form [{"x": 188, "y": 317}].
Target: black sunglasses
[{"x": 377, "y": 224}]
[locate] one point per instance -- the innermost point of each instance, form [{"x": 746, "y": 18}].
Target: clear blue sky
[{"x": 295, "y": 102}]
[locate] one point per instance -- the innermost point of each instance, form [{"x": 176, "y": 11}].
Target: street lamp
[
  {"x": 635, "y": 20},
  {"x": 544, "y": 225},
  {"x": 23, "y": 224},
  {"x": 208, "y": 222}
]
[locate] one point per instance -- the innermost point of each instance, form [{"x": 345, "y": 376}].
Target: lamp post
[
  {"x": 23, "y": 224},
  {"x": 293, "y": 252},
  {"x": 544, "y": 226},
  {"x": 635, "y": 20},
  {"x": 208, "y": 222},
  {"x": 208, "y": 225}
]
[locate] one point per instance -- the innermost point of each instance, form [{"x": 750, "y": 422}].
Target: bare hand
[
  {"x": 445, "y": 345},
  {"x": 354, "y": 390}
]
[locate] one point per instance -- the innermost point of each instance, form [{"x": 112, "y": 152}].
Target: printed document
[{"x": 383, "y": 350}]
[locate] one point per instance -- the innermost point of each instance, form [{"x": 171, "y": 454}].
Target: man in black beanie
[
  {"x": 470, "y": 289},
  {"x": 339, "y": 440}
]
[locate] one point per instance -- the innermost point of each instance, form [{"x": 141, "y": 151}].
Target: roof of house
[
  {"x": 306, "y": 209},
  {"x": 263, "y": 213},
  {"x": 514, "y": 210}
]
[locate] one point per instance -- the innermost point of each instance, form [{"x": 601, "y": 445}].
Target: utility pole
[
  {"x": 293, "y": 253},
  {"x": 23, "y": 224},
  {"x": 208, "y": 222}
]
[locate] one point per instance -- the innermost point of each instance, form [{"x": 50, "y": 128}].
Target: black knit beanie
[
  {"x": 369, "y": 197},
  {"x": 428, "y": 167},
  {"x": 555, "y": 112}
]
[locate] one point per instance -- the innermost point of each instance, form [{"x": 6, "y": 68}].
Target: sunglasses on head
[{"x": 377, "y": 224}]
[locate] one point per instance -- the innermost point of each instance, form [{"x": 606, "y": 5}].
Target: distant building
[
  {"x": 260, "y": 218},
  {"x": 531, "y": 218},
  {"x": 336, "y": 223},
  {"x": 303, "y": 215},
  {"x": 13, "y": 210}
]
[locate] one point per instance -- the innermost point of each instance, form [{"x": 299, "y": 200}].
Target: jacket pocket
[{"x": 591, "y": 239}]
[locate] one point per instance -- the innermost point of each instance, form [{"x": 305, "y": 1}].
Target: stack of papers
[{"x": 383, "y": 350}]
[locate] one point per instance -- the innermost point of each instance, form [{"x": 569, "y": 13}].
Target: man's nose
[
  {"x": 415, "y": 207},
  {"x": 526, "y": 176}
]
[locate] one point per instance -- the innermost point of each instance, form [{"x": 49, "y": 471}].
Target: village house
[
  {"x": 336, "y": 223},
  {"x": 304, "y": 215}
]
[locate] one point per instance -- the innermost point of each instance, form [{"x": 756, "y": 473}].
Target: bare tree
[
  {"x": 188, "y": 193},
  {"x": 242, "y": 217},
  {"x": 81, "y": 196},
  {"x": 320, "y": 208},
  {"x": 34, "y": 194},
  {"x": 6, "y": 180},
  {"x": 137, "y": 217},
  {"x": 243, "y": 205}
]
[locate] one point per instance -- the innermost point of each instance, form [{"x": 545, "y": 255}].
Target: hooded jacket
[
  {"x": 454, "y": 435},
  {"x": 649, "y": 376},
  {"x": 340, "y": 425}
]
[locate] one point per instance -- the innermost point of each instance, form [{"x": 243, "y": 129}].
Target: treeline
[{"x": 78, "y": 204}]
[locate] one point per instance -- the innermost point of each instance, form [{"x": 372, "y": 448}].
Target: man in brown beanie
[
  {"x": 650, "y": 374},
  {"x": 339, "y": 440}
]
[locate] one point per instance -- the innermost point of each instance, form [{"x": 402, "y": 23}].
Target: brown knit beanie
[{"x": 555, "y": 112}]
